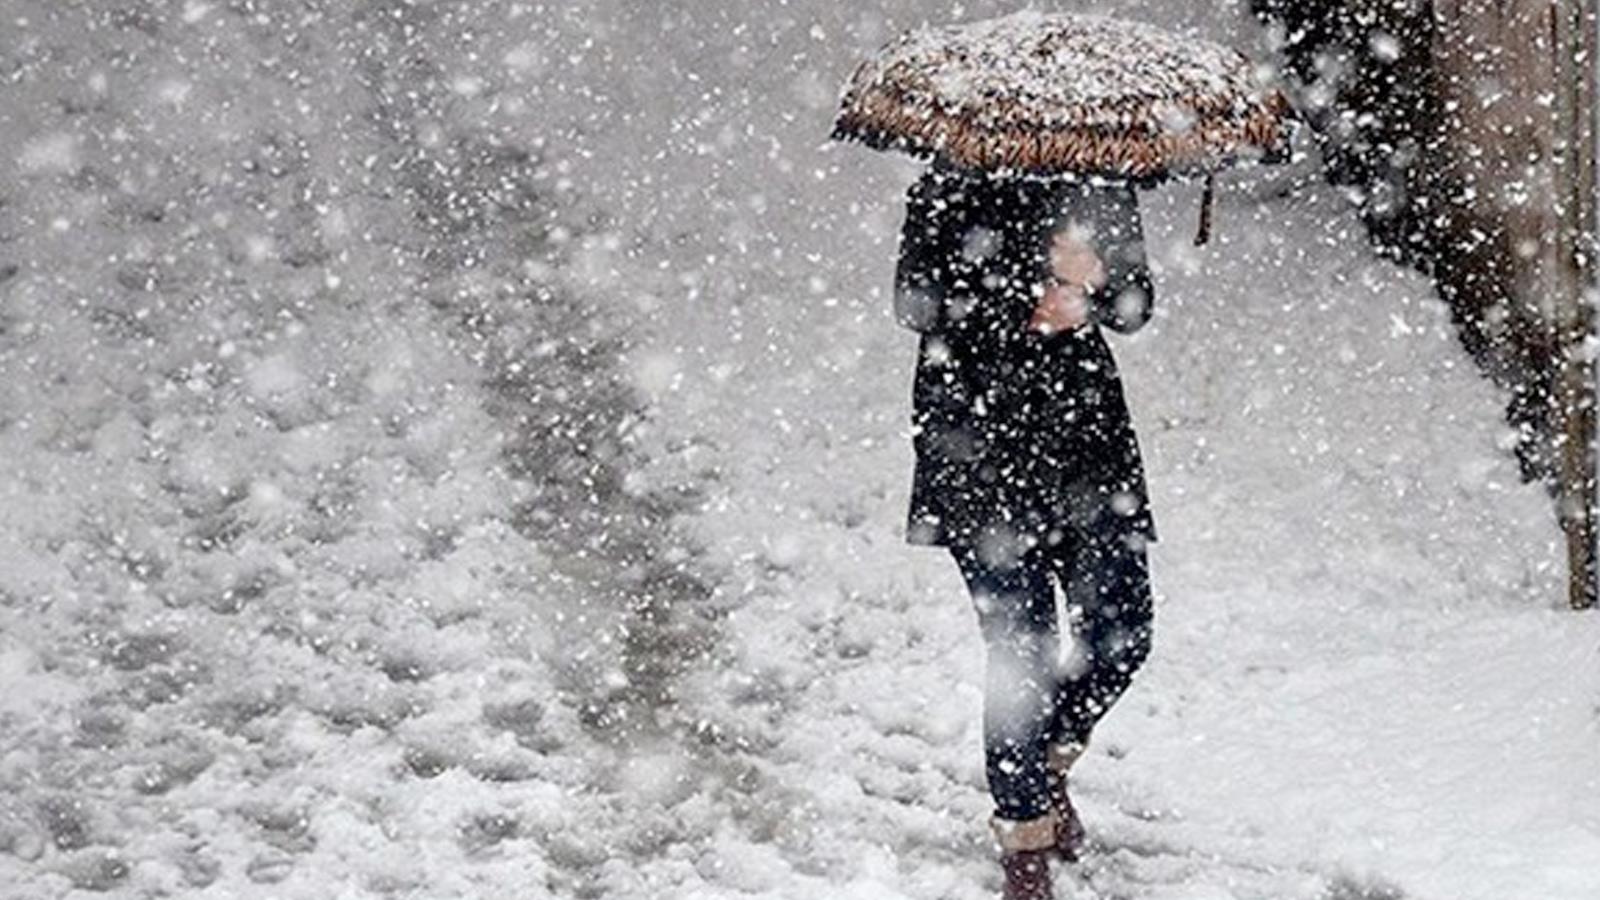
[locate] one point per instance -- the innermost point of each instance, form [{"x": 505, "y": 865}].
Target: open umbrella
[{"x": 1052, "y": 94}]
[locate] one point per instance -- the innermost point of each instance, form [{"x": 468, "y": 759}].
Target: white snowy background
[{"x": 459, "y": 449}]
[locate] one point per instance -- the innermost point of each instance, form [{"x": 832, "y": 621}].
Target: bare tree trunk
[{"x": 1572, "y": 27}]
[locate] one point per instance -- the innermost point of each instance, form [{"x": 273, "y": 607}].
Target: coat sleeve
[
  {"x": 1125, "y": 301},
  {"x": 922, "y": 274}
]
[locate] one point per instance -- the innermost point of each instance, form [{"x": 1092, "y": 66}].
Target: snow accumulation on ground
[
  {"x": 1362, "y": 685},
  {"x": 410, "y": 493}
]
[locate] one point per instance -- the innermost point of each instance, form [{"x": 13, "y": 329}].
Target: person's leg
[
  {"x": 1108, "y": 580},
  {"x": 1015, "y": 602}
]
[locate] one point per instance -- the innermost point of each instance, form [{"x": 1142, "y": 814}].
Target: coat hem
[{"x": 923, "y": 535}]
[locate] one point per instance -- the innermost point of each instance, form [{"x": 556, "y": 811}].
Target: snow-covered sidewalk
[
  {"x": 1363, "y": 685},
  {"x": 327, "y": 568}
]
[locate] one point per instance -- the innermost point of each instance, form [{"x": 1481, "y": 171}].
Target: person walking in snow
[
  {"x": 1022, "y": 243},
  {"x": 1027, "y": 467}
]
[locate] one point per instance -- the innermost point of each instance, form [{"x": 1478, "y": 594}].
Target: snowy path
[
  {"x": 268, "y": 627},
  {"x": 1362, "y": 686}
]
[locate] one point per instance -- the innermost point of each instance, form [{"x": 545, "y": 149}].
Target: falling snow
[{"x": 462, "y": 450}]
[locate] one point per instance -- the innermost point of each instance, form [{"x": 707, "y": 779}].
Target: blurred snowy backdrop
[{"x": 458, "y": 449}]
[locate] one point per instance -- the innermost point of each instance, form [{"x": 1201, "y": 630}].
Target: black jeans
[{"x": 1039, "y": 689}]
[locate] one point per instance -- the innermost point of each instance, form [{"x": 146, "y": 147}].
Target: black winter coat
[{"x": 1019, "y": 437}]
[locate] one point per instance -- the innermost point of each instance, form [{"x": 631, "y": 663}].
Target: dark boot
[
  {"x": 1025, "y": 849},
  {"x": 1027, "y": 875},
  {"x": 1070, "y": 833}
]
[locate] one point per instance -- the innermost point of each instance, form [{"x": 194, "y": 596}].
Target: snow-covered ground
[
  {"x": 1362, "y": 679},
  {"x": 327, "y": 574}
]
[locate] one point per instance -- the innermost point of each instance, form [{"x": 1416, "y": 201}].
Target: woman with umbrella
[
  {"x": 1021, "y": 243},
  {"x": 1027, "y": 466}
]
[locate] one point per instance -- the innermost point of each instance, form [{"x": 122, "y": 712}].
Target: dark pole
[{"x": 1574, "y": 24}]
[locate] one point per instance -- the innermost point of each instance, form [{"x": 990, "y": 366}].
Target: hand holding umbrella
[{"x": 1076, "y": 270}]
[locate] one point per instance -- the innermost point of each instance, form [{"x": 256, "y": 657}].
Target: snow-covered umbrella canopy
[{"x": 1059, "y": 93}]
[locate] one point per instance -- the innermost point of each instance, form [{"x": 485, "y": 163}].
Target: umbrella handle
[{"x": 1203, "y": 233}]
